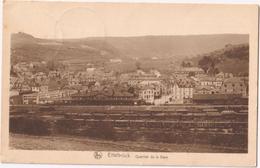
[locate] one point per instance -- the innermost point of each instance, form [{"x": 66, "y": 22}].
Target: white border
[{"x": 148, "y": 1}]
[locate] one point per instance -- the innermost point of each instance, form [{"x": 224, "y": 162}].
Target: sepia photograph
[
  {"x": 111, "y": 78},
  {"x": 140, "y": 93}
]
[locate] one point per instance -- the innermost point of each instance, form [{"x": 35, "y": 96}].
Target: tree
[
  {"x": 186, "y": 64},
  {"x": 205, "y": 63},
  {"x": 51, "y": 65},
  {"x": 138, "y": 65},
  {"x": 12, "y": 72},
  {"x": 213, "y": 71},
  {"x": 209, "y": 63}
]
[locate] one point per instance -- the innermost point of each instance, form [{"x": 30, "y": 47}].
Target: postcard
[{"x": 129, "y": 83}]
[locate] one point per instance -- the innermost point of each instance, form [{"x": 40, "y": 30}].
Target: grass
[{"x": 76, "y": 143}]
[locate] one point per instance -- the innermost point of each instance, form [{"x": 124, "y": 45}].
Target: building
[
  {"x": 156, "y": 73},
  {"x": 157, "y": 90},
  {"x": 182, "y": 92},
  {"x": 35, "y": 88},
  {"x": 74, "y": 82},
  {"x": 205, "y": 90},
  {"x": 54, "y": 95},
  {"x": 50, "y": 96},
  {"x": 13, "y": 80},
  {"x": 44, "y": 88},
  {"x": 108, "y": 97},
  {"x": 188, "y": 71},
  {"x": 147, "y": 94},
  {"x": 65, "y": 93},
  {"x": 25, "y": 88},
  {"x": 13, "y": 92},
  {"x": 54, "y": 74},
  {"x": 235, "y": 85},
  {"x": 223, "y": 75},
  {"x": 115, "y": 60},
  {"x": 40, "y": 76},
  {"x": 211, "y": 81},
  {"x": 218, "y": 99},
  {"x": 143, "y": 79},
  {"x": 90, "y": 70},
  {"x": 31, "y": 98},
  {"x": 43, "y": 98},
  {"x": 14, "y": 100}
]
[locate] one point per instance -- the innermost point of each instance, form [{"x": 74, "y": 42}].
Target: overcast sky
[{"x": 77, "y": 20}]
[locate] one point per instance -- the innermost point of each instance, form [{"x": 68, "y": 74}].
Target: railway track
[
  {"x": 202, "y": 125},
  {"x": 130, "y": 107}
]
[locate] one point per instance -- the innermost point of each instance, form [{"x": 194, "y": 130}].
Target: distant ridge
[
  {"x": 231, "y": 59},
  {"x": 98, "y": 50}
]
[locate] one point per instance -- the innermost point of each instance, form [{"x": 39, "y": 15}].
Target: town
[{"x": 37, "y": 83}]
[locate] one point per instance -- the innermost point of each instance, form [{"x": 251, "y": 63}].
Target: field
[
  {"x": 192, "y": 128},
  {"x": 69, "y": 143}
]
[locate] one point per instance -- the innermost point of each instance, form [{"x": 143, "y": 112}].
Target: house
[
  {"x": 31, "y": 98},
  {"x": 68, "y": 92},
  {"x": 107, "y": 96},
  {"x": 141, "y": 79},
  {"x": 25, "y": 88},
  {"x": 220, "y": 75},
  {"x": 156, "y": 73},
  {"x": 74, "y": 82},
  {"x": 147, "y": 94},
  {"x": 210, "y": 81},
  {"x": 149, "y": 82},
  {"x": 35, "y": 88},
  {"x": 90, "y": 70},
  {"x": 13, "y": 80},
  {"x": 223, "y": 75},
  {"x": 157, "y": 90},
  {"x": 43, "y": 97},
  {"x": 34, "y": 64},
  {"x": 44, "y": 88},
  {"x": 188, "y": 70},
  {"x": 115, "y": 60},
  {"x": 181, "y": 92},
  {"x": 235, "y": 85},
  {"x": 17, "y": 85},
  {"x": 205, "y": 90},
  {"x": 40, "y": 76},
  {"x": 54, "y": 74},
  {"x": 50, "y": 96},
  {"x": 14, "y": 100},
  {"x": 13, "y": 92},
  {"x": 54, "y": 95}
]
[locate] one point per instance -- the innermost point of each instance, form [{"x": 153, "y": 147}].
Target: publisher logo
[{"x": 97, "y": 155}]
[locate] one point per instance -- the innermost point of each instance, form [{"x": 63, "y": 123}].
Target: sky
[{"x": 78, "y": 20}]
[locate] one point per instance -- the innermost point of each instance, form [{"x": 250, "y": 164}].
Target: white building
[
  {"x": 115, "y": 60},
  {"x": 147, "y": 94}
]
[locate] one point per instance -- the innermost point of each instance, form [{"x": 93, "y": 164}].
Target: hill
[
  {"x": 25, "y": 47},
  {"x": 231, "y": 59},
  {"x": 160, "y": 52}
]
